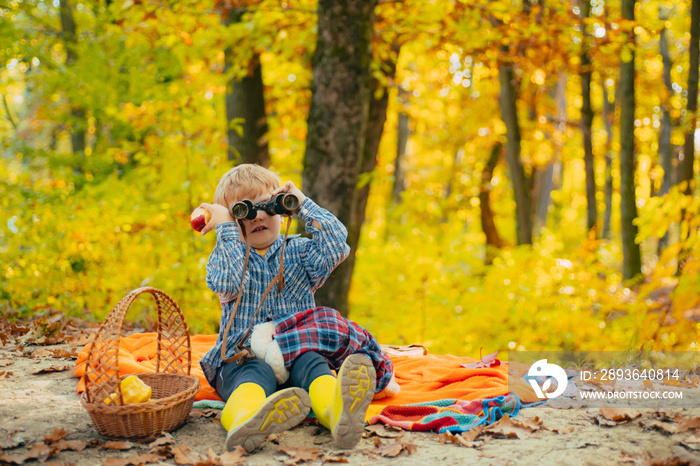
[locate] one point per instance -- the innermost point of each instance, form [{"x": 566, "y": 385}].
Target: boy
[{"x": 254, "y": 408}]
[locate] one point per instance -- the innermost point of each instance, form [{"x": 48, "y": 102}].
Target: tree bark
[
  {"x": 587, "y": 123},
  {"x": 517, "y": 172},
  {"x": 337, "y": 121},
  {"x": 375, "y": 127},
  {"x": 632, "y": 263},
  {"x": 403, "y": 132},
  {"x": 245, "y": 101},
  {"x": 608, "y": 119},
  {"x": 686, "y": 171},
  {"x": 665, "y": 146},
  {"x": 77, "y": 124},
  {"x": 488, "y": 225}
]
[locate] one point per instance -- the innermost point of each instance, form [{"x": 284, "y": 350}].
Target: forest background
[{"x": 514, "y": 175}]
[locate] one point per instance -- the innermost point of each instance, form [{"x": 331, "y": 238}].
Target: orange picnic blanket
[
  {"x": 422, "y": 379},
  {"x": 137, "y": 353}
]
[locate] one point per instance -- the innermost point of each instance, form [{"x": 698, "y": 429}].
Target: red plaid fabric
[{"x": 330, "y": 334}]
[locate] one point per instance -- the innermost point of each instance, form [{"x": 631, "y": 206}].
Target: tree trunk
[
  {"x": 337, "y": 121},
  {"x": 77, "y": 124},
  {"x": 517, "y": 172},
  {"x": 632, "y": 263},
  {"x": 587, "y": 123},
  {"x": 245, "y": 107},
  {"x": 686, "y": 172},
  {"x": 665, "y": 146},
  {"x": 375, "y": 127},
  {"x": 609, "y": 119},
  {"x": 488, "y": 225},
  {"x": 403, "y": 132}
]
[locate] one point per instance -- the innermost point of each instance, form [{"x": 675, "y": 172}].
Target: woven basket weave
[{"x": 173, "y": 387}]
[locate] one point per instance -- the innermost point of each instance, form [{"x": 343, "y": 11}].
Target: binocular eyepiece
[{"x": 281, "y": 204}]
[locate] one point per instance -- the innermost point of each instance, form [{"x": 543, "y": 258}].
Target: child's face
[{"x": 264, "y": 229}]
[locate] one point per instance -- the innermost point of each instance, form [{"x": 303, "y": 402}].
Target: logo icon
[{"x": 543, "y": 369}]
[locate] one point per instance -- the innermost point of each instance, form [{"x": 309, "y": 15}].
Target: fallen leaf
[
  {"x": 384, "y": 431},
  {"x": 299, "y": 454},
  {"x": 55, "y": 368},
  {"x": 162, "y": 445},
  {"x": 681, "y": 424},
  {"x": 41, "y": 353},
  {"x": 6, "y": 362},
  {"x": 390, "y": 449},
  {"x": 43, "y": 332},
  {"x": 638, "y": 457},
  {"x": 336, "y": 459},
  {"x": 620, "y": 414},
  {"x": 6, "y": 374},
  {"x": 565, "y": 430},
  {"x": 512, "y": 429},
  {"x": 112, "y": 445},
  {"x": 182, "y": 454},
  {"x": 38, "y": 451},
  {"x": 472, "y": 434},
  {"x": 74, "y": 445},
  {"x": 58, "y": 433},
  {"x": 457, "y": 439},
  {"x": 235, "y": 457}
]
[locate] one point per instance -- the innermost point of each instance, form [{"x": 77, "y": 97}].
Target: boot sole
[
  {"x": 357, "y": 379},
  {"x": 282, "y": 411}
]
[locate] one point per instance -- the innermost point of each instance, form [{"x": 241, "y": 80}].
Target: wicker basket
[{"x": 173, "y": 388}]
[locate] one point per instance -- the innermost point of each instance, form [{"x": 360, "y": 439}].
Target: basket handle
[{"x": 174, "y": 348}]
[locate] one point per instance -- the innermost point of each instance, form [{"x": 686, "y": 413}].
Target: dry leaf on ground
[
  {"x": 384, "y": 431},
  {"x": 112, "y": 445},
  {"x": 162, "y": 445},
  {"x": 456, "y": 439},
  {"x": 235, "y": 457},
  {"x": 136, "y": 460},
  {"x": 54, "y": 368},
  {"x": 679, "y": 424},
  {"x": 507, "y": 427},
  {"x": 619, "y": 415},
  {"x": 300, "y": 454},
  {"x": 58, "y": 433},
  {"x": 390, "y": 449},
  {"x": 38, "y": 451}
]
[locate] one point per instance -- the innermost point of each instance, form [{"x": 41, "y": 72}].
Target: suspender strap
[{"x": 240, "y": 352}]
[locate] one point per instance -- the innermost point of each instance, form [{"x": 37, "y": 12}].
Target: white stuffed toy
[{"x": 266, "y": 349}]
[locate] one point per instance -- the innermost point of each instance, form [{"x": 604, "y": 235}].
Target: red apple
[{"x": 199, "y": 218}]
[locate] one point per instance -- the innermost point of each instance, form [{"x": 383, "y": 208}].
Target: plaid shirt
[
  {"x": 328, "y": 333},
  {"x": 307, "y": 264}
]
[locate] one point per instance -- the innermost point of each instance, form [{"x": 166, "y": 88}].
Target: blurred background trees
[{"x": 512, "y": 175}]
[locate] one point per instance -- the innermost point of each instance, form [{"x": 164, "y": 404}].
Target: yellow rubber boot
[
  {"x": 249, "y": 417},
  {"x": 340, "y": 404}
]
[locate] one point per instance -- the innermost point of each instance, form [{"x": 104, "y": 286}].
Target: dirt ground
[{"x": 41, "y": 419}]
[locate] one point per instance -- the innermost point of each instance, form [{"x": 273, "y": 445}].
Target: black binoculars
[{"x": 279, "y": 205}]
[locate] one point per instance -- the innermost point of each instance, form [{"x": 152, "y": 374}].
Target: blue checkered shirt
[{"x": 307, "y": 264}]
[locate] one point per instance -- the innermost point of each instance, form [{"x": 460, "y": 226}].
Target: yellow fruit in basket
[{"x": 134, "y": 390}]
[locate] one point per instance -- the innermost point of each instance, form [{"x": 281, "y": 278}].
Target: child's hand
[
  {"x": 219, "y": 214},
  {"x": 290, "y": 188}
]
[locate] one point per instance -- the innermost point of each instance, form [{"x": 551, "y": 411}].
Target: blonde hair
[{"x": 245, "y": 181}]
